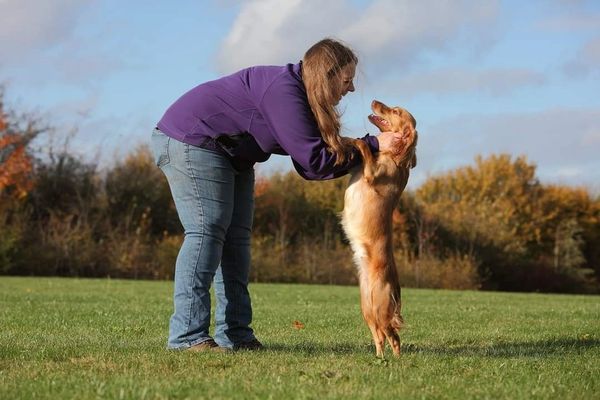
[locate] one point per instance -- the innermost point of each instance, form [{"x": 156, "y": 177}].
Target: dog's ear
[
  {"x": 413, "y": 162},
  {"x": 403, "y": 152}
]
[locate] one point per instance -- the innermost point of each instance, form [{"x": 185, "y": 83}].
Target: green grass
[{"x": 84, "y": 339}]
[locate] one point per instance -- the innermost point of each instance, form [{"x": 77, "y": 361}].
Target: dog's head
[{"x": 397, "y": 119}]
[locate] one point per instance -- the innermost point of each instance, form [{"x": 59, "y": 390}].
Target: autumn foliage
[
  {"x": 15, "y": 162},
  {"x": 524, "y": 234},
  {"x": 488, "y": 225},
  {"x": 16, "y": 167}
]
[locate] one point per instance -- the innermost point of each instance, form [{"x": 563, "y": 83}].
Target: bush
[
  {"x": 137, "y": 186},
  {"x": 453, "y": 272},
  {"x": 166, "y": 251},
  {"x": 308, "y": 262},
  {"x": 12, "y": 226},
  {"x": 129, "y": 249}
]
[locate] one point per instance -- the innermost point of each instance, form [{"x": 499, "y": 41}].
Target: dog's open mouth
[{"x": 379, "y": 122}]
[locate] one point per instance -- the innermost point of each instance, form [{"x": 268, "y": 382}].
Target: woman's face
[{"x": 344, "y": 82}]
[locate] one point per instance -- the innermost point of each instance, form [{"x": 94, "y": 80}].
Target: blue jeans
[{"x": 215, "y": 204}]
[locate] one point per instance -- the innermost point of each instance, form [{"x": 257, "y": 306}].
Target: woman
[{"x": 207, "y": 143}]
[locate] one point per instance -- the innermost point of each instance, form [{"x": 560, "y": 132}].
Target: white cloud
[
  {"x": 45, "y": 44},
  {"x": 571, "y": 22},
  {"x": 29, "y": 26},
  {"x": 496, "y": 82},
  {"x": 395, "y": 32},
  {"x": 569, "y": 172},
  {"x": 275, "y": 32},
  {"x": 402, "y": 31},
  {"x": 555, "y": 139},
  {"x": 592, "y": 137},
  {"x": 587, "y": 60}
]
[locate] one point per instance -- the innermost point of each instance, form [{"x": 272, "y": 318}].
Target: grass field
[{"x": 88, "y": 339}]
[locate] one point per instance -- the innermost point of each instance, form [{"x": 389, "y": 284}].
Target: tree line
[{"x": 490, "y": 225}]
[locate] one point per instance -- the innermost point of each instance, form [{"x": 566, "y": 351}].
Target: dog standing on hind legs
[{"x": 372, "y": 194}]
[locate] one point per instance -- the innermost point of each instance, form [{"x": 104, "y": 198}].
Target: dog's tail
[
  {"x": 397, "y": 320},
  {"x": 385, "y": 297},
  {"x": 367, "y": 157}
]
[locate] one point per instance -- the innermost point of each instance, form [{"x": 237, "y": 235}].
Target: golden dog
[{"x": 372, "y": 194}]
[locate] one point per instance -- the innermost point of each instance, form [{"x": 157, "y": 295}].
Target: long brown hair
[{"x": 320, "y": 66}]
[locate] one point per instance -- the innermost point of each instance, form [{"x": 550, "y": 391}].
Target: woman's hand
[{"x": 389, "y": 139}]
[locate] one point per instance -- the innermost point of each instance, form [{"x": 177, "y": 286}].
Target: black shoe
[{"x": 254, "y": 344}]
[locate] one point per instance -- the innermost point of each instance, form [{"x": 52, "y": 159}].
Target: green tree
[
  {"x": 568, "y": 244},
  {"x": 137, "y": 190},
  {"x": 491, "y": 204}
]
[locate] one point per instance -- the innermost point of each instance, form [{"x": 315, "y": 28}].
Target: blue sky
[{"x": 481, "y": 77}]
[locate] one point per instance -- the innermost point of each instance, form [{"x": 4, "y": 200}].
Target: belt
[
  {"x": 217, "y": 144},
  {"x": 211, "y": 144}
]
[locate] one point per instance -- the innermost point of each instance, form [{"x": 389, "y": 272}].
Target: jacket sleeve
[{"x": 285, "y": 108}]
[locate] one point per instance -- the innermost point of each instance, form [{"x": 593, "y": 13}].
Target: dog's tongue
[{"x": 377, "y": 119}]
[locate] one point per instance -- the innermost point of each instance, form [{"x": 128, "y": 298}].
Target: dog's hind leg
[
  {"x": 393, "y": 339},
  {"x": 369, "y": 312},
  {"x": 378, "y": 338}
]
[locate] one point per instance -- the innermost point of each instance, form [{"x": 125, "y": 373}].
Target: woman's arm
[{"x": 286, "y": 110}]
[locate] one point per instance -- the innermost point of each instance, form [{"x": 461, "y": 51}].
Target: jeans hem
[{"x": 190, "y": 344}]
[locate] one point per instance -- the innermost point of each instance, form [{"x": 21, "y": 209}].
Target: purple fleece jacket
[{"x": 267, "y": 102}]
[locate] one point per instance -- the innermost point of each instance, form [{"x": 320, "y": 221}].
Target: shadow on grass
[
  {"x": 544, "y": 348},
  {"x": 319, "y": 348}
]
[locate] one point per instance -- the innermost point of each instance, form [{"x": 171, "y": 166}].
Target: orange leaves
[
  {"x": 15, "y": 165},
  {"x": 297, "y": 325},
  {"x": 261, "y": 186},
  {"x": 15, "y": 162},
  {"x": 492, "y": 203},
  {"x": 3, "y": 122}
]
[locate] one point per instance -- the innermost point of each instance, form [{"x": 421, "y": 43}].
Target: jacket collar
[{"x": 297, "y": 69}]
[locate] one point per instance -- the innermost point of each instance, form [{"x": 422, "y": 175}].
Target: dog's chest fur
[
  {"x": 356, "y": 196},
  {"x": 368, "y": 208}
]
